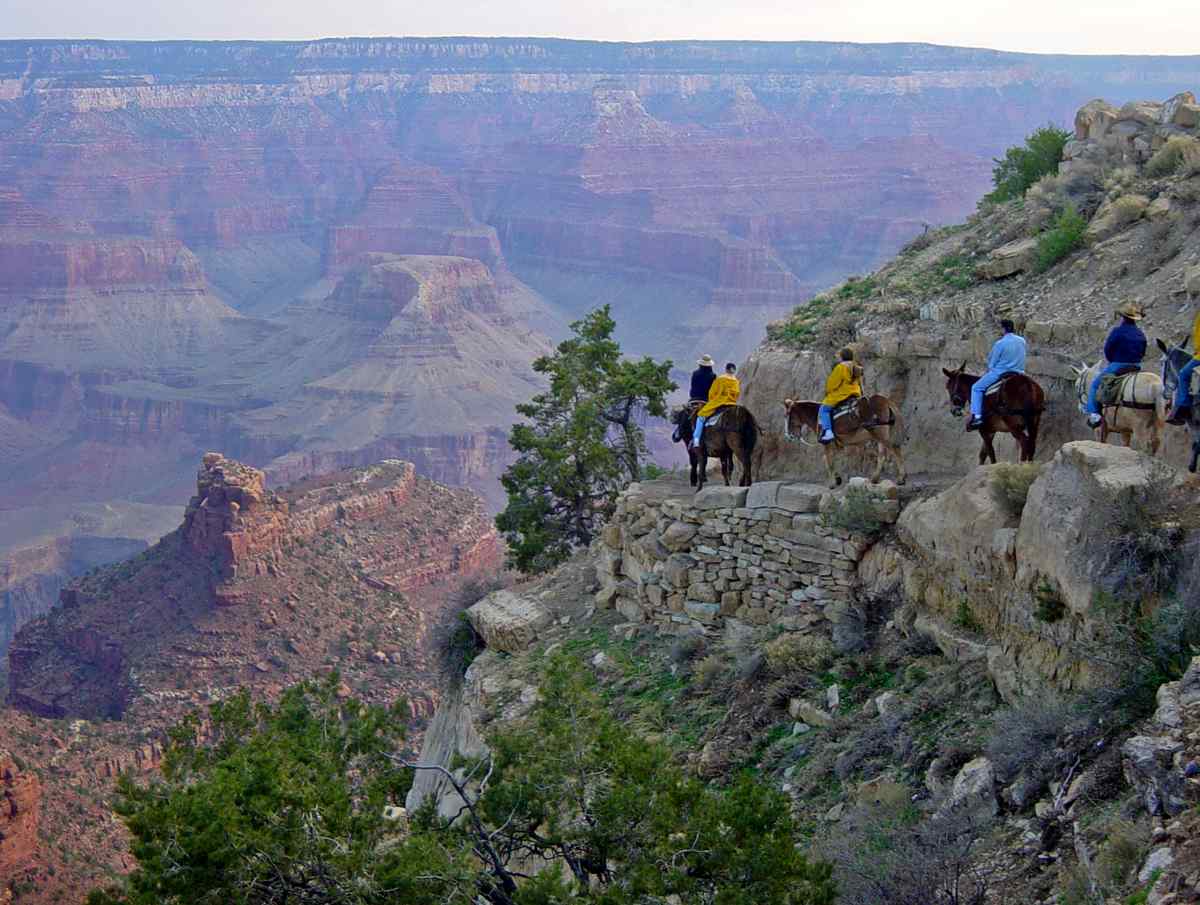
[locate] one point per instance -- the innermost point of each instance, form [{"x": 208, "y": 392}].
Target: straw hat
[
  {"x": 1131, "y": 311},
  {"x": 706, "y": 361}
]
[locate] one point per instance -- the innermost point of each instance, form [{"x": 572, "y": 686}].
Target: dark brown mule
[
  {"x": 736, "y": 435},
  {"x": 684, "y": 419},
  {"x": 1016, "y": 408},
  {"x": 874, "y": 420}
]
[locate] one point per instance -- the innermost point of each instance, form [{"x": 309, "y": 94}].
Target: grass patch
[
  {"x": 1062, "y": 239},
  {"x": 1010, "y": 483}
]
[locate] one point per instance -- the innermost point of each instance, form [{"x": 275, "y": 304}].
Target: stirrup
[
  {"x": 1179, "y": 415},
  {"x": 826, "y": 437}
]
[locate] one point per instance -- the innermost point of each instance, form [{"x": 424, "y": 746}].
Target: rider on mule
[
  {"x": 843, "y": 383},
  {"x": 724, "y": 391},
  {"x": 1008, "y": 355},
  {"x": 702, "y": 379},
  {"x": 1183, "y": 390},
  {"x": 1124, "y": 350}
]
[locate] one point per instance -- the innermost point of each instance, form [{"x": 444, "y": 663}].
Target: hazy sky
[{"x": 1090, "y": 26}]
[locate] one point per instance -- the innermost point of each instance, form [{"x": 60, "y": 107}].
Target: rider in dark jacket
[
  {"x": 1125, "y": 348},
  {"x": 702, "y": 378}
]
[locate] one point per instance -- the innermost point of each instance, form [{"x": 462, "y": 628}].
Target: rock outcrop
[
  {"x": 1019, "y": 591},
  {"x": 237, "y": 594},
  {"x": 20, "y": 801}
]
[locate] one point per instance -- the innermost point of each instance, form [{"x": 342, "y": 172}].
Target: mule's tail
[{"x": 749, "y": 432}]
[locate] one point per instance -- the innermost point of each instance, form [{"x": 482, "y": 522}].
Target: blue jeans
[
  {"x": 825, "y": 417},
  {"x": 980, "y": 387},
  {"x": 699, "y": 430},
  {"x": 1111, "y": 368},
  {"x": 1183, "y": 392}
]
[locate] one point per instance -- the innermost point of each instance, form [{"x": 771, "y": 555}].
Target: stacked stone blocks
[{"x": 759, "y": 555}]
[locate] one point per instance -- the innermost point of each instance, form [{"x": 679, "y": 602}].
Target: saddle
[
  {"x": 714, "y": 421},
  {"x": 1114, "y": 388},
  {"x": 854, "y": 414},
  {"x": 1004, "y": 378}
]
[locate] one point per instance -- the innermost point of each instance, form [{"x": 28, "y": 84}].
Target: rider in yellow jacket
[
  {"x": 725, "y": 390},
  {"x": 843, "y": 383}
]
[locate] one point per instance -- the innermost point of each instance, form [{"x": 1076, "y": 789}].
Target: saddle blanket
[
  {"x": 1117, "y": 388},
  {"x": 714, "y": 421}
]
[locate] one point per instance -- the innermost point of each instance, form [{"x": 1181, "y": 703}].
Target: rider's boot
[
  {"x": 975, "y": 423},
  {"x": 826, "y": 437},
  {"x": 1179, "y": 414},
  {"x": 1094, "y": 420}
]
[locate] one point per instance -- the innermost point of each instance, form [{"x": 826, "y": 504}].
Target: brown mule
[
  {"x": 1016, "y": 408},
  {"x": 874, "y": 421},
  {"x": 735, "y": 436}
]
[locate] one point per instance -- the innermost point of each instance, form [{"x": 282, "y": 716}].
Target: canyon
[
  {"x": 341, "y": 577},
  {"x": 313, "y": 255}
]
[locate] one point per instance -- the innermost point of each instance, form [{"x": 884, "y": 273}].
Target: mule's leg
[
  {"x": 1155, "y": 433},
  {"x": 727, "y": 465},
  {"x": 1035, "y": 422},
  {"x": 1195, "y": 456},
  {"x": 693, "y": 458},
  {"x": 702, "y": 455},
  {"x": 745, "y": 456},
  {"x": 988, "y": 450},
  {"x": 880, "y": 455},
  {"x": 834, "y": 477},
  {"x": 901, "y": 473}
]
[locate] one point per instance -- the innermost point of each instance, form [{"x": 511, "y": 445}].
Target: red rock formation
[
  {"x": 218, "y": 603},
  {"x": 20, "y": 801}
]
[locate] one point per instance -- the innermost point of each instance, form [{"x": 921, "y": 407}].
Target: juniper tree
[
  {"x": 294, "y": 804},
  {"x": 582, "y": 441}
]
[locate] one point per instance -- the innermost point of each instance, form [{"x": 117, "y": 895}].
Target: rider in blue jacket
[
  {"x": 1008, "y": 354},
  {"x": 1124, "y": 348}
]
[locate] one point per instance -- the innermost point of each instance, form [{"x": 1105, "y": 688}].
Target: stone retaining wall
[{"x": 761, "y": 555}]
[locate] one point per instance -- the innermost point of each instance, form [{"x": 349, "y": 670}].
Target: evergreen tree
[
  {"x": 581, "y": 443},
  {"x": 294, "y": 804},
  {"x": 1023, "y": 165}
]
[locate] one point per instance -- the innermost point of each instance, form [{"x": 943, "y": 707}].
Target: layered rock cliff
[{"x": 233, "y": 596}]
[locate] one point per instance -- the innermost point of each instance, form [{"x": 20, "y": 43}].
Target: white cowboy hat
[{"x": 706, "y": 360}]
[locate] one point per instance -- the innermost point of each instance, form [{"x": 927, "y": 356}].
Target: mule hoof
[{"x": 901, "y": 481}]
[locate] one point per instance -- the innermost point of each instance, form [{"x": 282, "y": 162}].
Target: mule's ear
[
  {"x": 1161, "y": 345},
  {"x": 962, "y": 367},
  {"x": 787, "y": 405},
  {"x": 947, "y": 373}
]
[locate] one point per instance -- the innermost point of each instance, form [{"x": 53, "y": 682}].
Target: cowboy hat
[
  {"x": 706, "y": 361},
  {"x": 1131, "y": 311}
]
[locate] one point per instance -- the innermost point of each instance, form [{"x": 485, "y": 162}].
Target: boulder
[
  {"x": 800, "y": 709},
  {"x": 957, "y": 528},
  {"x": 1170, "y": 110},
  {"x": 974, "y": 791},
  {"x": 1160, "y": 207},
  {"x": 1063, "y": 536},
  {"x": 508, "y": 622},
  {"x": 719, "y": 496},
  {"x": 1093, "y": 119},
  {"x": 800, "y": 498},
  {"x": 1187, "y": 116},
  {"x": 1148, "y": 763},
  {"x": 1114, "y": 216},
  {"x": 1145, "y": 113},
  {"x": 1156, "y": 862},
  {"x": 1009, "y": 259},
  {"x": 763, "y": 494},
  {"x": 678, "y": 536}
]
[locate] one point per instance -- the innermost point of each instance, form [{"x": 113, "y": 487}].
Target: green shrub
[
  {"x": 1066, "y": 236},
  {"x": 1180, "y": 154},
  {"x": 792, "y": 652},
  {"x": 1123, "y": 851},
  {"x": 856, "y": 512},
  {"x": 964, "y": 617},
  {"x": 711, "y": 671},
  {"x": 1023, "y": 165},
  {"x": 1050, "y": 605},
  {"x": 1010, "y": 483}
]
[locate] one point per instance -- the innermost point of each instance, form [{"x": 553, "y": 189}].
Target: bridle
[{"x": 958, "y": 402}]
